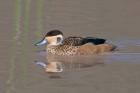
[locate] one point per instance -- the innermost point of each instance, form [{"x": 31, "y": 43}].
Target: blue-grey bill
[{"x": 42, "y": 42}]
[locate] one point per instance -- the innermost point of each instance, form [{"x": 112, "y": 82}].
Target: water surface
[{"x": 24, "y": 22}]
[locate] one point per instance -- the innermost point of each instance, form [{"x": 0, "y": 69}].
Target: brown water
[{"x": 24, "y": 22}]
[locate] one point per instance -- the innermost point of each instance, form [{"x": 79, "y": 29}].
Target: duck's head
[{"x": 53, "y": 37}]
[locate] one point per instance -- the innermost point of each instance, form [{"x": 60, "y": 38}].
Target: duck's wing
[
  {"x": 94, "y": 40},
  {"x": 78, "y": 41},
  {"x": 74, "y": 41}
]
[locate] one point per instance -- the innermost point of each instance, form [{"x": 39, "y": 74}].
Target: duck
[{"x": 56, "y": 44}]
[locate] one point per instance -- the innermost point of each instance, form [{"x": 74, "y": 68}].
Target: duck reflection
[
  {"x": 51, "y": 67},
  {"x": 57, "y": 64}
]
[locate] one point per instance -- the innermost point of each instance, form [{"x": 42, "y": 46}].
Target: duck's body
[
  {"x": 74, "y": 45},
  {"x": 86, "y": 49}
]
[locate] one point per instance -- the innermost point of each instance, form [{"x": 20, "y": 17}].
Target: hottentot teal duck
[{"x": 56, "y": 44}]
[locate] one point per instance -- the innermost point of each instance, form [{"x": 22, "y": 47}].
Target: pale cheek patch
[{"x": 51, "y": 39}]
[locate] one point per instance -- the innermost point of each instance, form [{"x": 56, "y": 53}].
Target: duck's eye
[{"x": 58, "y": 39}]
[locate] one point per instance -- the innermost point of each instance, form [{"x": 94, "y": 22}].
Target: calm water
[{"x": 24, "y": 22}]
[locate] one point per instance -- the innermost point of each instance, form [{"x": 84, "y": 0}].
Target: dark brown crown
[{"x": 54, "y": 33}]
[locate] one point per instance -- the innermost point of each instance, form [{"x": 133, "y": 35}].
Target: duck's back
[
  {"x": 73, "y": 41},
  {"x": 78, "y": 41}
]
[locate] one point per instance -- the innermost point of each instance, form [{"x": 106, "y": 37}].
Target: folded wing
[{"x": 78, "y": 41}]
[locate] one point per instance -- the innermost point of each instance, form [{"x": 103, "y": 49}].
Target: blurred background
[{"x": 24, "y": 22}]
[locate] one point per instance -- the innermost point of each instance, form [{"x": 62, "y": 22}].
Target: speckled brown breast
[{"x": 63, "y": 50}]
